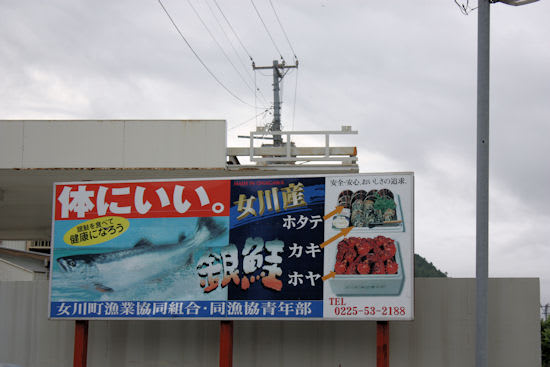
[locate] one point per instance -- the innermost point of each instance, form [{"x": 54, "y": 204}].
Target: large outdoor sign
[{"x": 308, "y": 247}]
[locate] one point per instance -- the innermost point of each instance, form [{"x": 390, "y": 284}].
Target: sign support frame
[
  {"x": 226, "y": 343},
  {"x": 80, "y": 356},
  {"x": 382, "y": 344}
]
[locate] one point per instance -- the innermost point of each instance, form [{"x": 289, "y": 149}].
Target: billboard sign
[{"x": 307, "y": 247}]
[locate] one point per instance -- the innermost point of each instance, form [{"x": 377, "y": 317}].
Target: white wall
[
  {"x": 442, "y": 333},
  {"x": 35, "y": 154},
  {"x": 16, "y": 245},
  {"x": 112, "y": 144},
  {"x": 10, "y": 272}
]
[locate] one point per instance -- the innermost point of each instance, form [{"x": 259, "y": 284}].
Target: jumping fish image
[{"x": 118, "y": 270}]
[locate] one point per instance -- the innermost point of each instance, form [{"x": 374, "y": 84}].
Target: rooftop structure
[{"x": 36, "y": 153}]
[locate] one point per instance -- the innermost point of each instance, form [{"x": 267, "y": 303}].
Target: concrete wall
[
  {"x": 16, "y": 245},
  {"x": 112, "y": 144},
  {"x": 442, "y": 333},
  {"x": 27, "y": 338},
  {"x": 11, "y": 272}
]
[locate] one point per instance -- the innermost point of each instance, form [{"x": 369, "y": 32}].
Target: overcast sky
[{"x": 403, "y": 73}]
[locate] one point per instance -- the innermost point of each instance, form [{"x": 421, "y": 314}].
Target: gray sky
[{"x": 403, "y": 73}]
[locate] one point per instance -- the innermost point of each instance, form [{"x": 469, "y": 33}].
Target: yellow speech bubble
[{"x": 96, "y": 231}]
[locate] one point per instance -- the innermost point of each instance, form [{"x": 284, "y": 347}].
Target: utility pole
[
  {"x": 482, "y": 185},
  {"x": 279, "y": 73},
  {"x": 482, "y": 178}
]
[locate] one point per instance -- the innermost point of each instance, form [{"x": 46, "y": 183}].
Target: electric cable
[
  {"x": 218, "y": 44},
  {"x": 264, "y": 99},
  {"x": 233, "y": 30},
  {"x": 199, "y": 58},
  {"x": 294, "y": 103},
  {"x": 264, "y": 112},
  {"x": 256, "y": 96},
  {"x": 223, "y": 31},
  {"x": 465, "y": 8},
  {"x": 283, "y": 29},
  {"x": 267, "y": 30},
  {"x": 263, "y": 74}
]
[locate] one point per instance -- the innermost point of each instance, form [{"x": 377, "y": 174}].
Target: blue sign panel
[{"x": 312, "y": 247}]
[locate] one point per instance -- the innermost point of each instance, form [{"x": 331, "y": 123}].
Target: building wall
[
  {"x": 16, "y": 245},
  {"x": 9, "y": 272},
  {"x": 442, "y": 334},
  {"x": 36, "y": 153},
  {"x": 112, "y": 144}
]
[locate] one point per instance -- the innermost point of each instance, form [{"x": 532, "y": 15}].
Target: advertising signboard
[{"x": 307, "y": 247}]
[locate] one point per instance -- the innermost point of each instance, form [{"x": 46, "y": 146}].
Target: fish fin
[
  {"x": 214, "y": 227},
  {"x": 189, "y": 260},
  {"x": 103, "y": 288},
  {"x": 143, "y": 243}
]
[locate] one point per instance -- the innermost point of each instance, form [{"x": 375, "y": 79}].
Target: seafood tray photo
[
  {"x": 375, "y": 208},
  {"x": 368, "y": 266}
]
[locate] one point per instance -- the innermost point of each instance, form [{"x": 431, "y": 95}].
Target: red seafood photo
[{"x": 357, "y": 255}]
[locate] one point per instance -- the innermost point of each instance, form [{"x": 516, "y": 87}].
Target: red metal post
[
  {"x": 382, "y": 344},
  {"x": 80, "y": 343},
  {"x": 226, "y": 343}
]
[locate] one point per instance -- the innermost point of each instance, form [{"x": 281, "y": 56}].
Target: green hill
[{"x": 424, "y": 269}]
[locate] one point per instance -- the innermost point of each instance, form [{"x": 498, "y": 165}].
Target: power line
[
  {"x": 267, "y": 30},
  {"x": 283, "y": 29},
  {"x": 218, "y": 44},
  {"x": 245, "y": 68},
  {"x": 282, "y": 87},
  {"x": 233, "y": 30},
  {"x": 264, "y": 112},
  {"x": 465, "y": 8},
  {"x": 227, "y": 38},
  {"x": 255, "y": 95},
  {"x": 295, "y": 94},
  {"x": 263, "y": 74},
  {"x": 238, "y": 39},
  {"x": 257, "y": 89},
  {"x": 199, "y": 59}
]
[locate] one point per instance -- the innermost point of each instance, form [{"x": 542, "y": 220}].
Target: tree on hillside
[
  {"x": 424, "y": 269},
  {"x": 545, "y": 342}
]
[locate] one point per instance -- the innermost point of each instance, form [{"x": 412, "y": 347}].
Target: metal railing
[
  {"x": 287, "y": 154},
  {"x": 38, "y": 245}
]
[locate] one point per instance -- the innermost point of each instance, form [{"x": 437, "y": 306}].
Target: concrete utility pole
[
  {"x": 482, "y": 196},
  {"x": 278, "y": 75},
  {"x": 482, "y": 177}
]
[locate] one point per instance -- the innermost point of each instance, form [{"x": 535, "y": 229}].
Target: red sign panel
[{"x": 143, "y": 199}]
